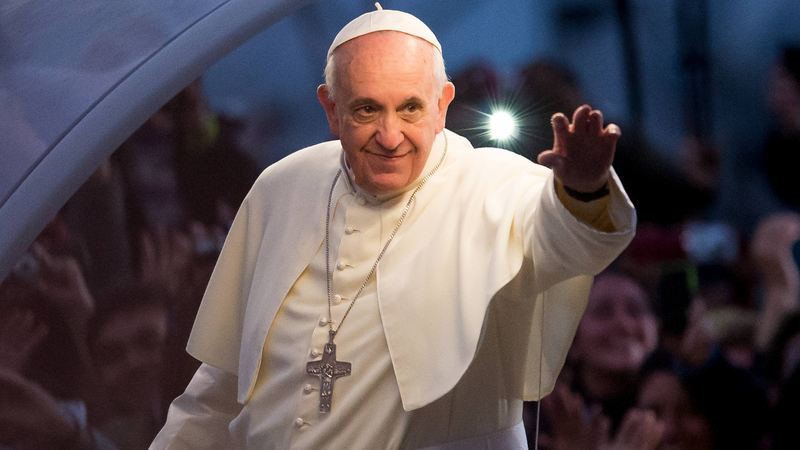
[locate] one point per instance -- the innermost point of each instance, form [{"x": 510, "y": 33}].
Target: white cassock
[{"x": 487, "y": 276}]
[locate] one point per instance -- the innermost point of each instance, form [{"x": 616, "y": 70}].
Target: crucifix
[{"x": 328, "y": 370}]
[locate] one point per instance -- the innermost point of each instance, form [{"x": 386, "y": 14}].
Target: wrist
[{"x": 587, "y": 196}]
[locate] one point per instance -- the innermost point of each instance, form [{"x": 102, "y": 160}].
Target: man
[
  {"x": 128, "y": 338},
  {"x": 380, "y": 291}
]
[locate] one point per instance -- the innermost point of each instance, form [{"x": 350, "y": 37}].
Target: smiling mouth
[{"x": 388, "y": 156}]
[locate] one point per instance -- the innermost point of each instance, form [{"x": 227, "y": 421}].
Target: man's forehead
[{"x": 386, "y": 62}]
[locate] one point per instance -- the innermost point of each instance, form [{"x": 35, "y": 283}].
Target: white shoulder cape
[{"x": 479, "y": 216}]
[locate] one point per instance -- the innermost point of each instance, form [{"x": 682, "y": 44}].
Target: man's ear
[
  {"x": 330, "y": 108},
  {"x": 448, "y": 93}
]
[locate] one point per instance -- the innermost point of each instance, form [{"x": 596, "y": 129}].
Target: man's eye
[
  {"x": 365, "y": 110},
  {"x": 365, "y": 113}
]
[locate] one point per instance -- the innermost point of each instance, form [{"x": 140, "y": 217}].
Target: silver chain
[{"x": 374, "y": 266}]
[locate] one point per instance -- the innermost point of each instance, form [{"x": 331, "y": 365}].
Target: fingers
[
  {"x": 595, "y": 122},
  {"x": 562, "y": 406},
  {"x": 560, "y": 124},
  {"x": 580, "y": 119},
  {"x": 612, "y": 134},
  {"x": 584, "y": 120},
  {"x": 587, "y": 120},
  {"x": 640, "y": 430}
]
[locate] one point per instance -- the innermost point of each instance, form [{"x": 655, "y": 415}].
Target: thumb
[{"x": 551, "y": 159}]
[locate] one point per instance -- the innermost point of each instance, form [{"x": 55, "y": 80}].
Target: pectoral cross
[{"x": 328, "y": 370}]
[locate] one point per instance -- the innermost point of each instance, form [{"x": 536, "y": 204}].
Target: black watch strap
[{"x": 587, "y": 196}]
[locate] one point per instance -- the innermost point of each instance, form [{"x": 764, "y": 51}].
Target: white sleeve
[
  {"x": 562, "y": 247},
  {"x": 199, "y": 418}
]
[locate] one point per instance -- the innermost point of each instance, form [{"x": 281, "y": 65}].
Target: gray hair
[{"x": 439, "y": 74}]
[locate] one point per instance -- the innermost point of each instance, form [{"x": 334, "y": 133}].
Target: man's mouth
[{"x": 381, "y": 155}]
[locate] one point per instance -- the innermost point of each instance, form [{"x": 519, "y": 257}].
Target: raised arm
[{"x": 585, "y": 220}]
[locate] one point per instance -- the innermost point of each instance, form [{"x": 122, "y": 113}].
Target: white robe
[{"x": 485, "y": 215}]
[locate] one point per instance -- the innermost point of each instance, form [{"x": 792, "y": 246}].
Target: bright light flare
[{"x": 502, "y": 125}]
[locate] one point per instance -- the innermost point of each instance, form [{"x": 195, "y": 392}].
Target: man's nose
[{"x": 390, "y": 132}]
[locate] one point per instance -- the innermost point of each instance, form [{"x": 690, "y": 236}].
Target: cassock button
[
  {"x": 323, "y": 321},
  {"x": 361, "y": 201},
  {"x": 307, "y": 388},
  {"x": 314, "y": 353},
  {"x": 299, "y": 422},
  {"x": 337, "y": 299},
  {"x": 348, "y": 230},
  {"x": 340, "y": 265}
]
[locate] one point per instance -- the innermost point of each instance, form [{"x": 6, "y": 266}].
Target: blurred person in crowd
[
  {"x": 128, "y": 338},
  {"x": 45, "y": 372},
  {"x": 783, "y": 371},
  {"x": 478, "y": 90},
  {"x": 184, "y": 164},
  {"x": 545, "y": 88},
  {"x": 581, "y": 428},
  {"x": 183, "y": 177},
  {"x": 180, "y": 263},
  {"x": 773, "y": 250},
  {"x": 782, "y": 149},
  {"x": 715, "y": 407},
  {"x": 784, "y": 353},
  {"x": 181, "y": 168},
  {"x": 411, "y": 371},
  {"x": 96, "y": 215},
  {"x": 616, "y": 334},
  {"x": 773, "y": 255}
]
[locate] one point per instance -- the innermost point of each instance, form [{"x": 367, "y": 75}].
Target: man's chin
[{"x": 386, "y": 184}]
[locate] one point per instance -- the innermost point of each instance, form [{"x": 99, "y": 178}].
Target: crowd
[{"x": 690, "y": 340}]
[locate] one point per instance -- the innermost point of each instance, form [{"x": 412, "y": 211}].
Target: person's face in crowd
[
  {"x": 387, "y": 109},
  {"x": 618, "y": 330},
  {"x": 684, "y": 429},
  {"x": 784, "y": 98},
  {"x": 129, "y": 350}
]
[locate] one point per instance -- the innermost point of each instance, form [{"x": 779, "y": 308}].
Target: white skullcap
[{"x": 384, "y": 20}]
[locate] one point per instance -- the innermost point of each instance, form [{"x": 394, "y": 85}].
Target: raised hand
[
  {"x": 31, "y": 418},
  {"x": 61, "y": 281},
  {"x": 582, "y": 150},
  {"x": 20, "y": 335},
  {"x": 571, "y": 430},
  {"x": 640, "y": 430},
  {"x": 771, "y": 250}
]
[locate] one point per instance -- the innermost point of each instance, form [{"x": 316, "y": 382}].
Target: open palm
[{"x": 582, "y": 150}]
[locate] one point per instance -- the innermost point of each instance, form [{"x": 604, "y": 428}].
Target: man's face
[
  {"x": 129, "y": 350},
  {"x": 388, "y": 109}
]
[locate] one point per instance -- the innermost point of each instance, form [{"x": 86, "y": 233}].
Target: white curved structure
[{"x": 77, "y": 77}]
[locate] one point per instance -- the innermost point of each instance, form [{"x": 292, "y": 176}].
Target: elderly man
[{"x": 398, "y": 288}]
